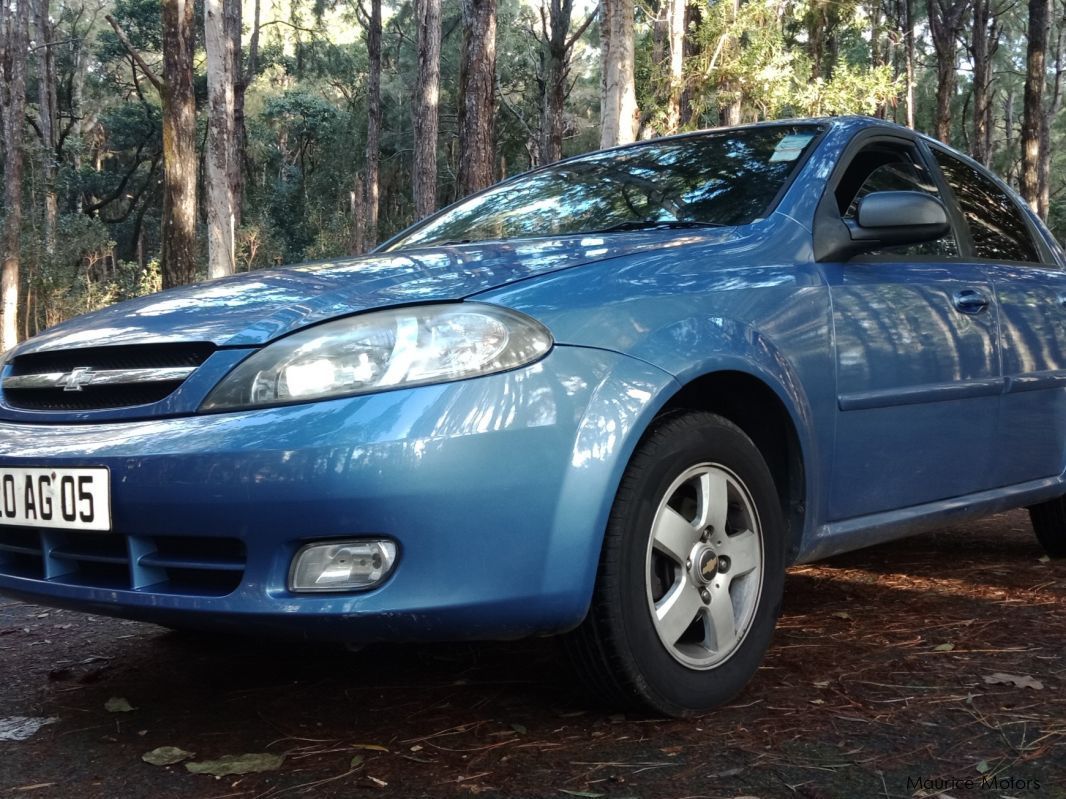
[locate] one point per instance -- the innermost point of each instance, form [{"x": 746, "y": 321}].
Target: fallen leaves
[
  {"x": 249, "y": 763},
  {"x": 118, "y": 704},
  {"x": 1017, "y": 680},
  {"x": 166, "y": 756}
]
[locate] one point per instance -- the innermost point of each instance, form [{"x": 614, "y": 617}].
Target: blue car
[{"x": 612, "y": 398}]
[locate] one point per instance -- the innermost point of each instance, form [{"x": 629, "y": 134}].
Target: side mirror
[
  {"x": 899, "y": 217},
  {"x": 884, "y": 219}
]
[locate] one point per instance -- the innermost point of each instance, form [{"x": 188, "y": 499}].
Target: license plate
[{"x": 67, "y": 499}]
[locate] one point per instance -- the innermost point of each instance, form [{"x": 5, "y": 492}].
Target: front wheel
[{"x": 691, "y": 573}]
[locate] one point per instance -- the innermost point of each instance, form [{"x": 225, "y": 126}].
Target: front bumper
[{"x": 496, "y": 490}]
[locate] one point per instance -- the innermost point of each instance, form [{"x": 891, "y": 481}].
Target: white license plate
[{"x": 68, "y": 499}]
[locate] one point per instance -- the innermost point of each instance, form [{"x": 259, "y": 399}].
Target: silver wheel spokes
[{"x": 704, "y": 566}]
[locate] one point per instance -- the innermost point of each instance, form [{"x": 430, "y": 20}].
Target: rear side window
[{"x": 996, "y": 225}]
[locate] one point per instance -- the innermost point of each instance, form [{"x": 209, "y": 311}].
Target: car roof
[{"x": 854, "y": 122}]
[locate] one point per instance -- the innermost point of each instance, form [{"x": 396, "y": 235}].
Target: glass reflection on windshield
[{"x": 728, "y": 177}]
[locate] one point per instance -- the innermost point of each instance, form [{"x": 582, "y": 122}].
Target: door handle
[{"x": 970, "y": 301}]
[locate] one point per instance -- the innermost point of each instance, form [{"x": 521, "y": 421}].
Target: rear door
[
  {"x": 918, "y": 375},
  {"x": 1030, "y": 290}
]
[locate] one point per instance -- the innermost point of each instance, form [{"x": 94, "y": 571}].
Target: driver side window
[{"x": 890, "y": 167}]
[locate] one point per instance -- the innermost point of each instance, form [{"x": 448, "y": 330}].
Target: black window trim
[{"x": 1046, "y": 258}]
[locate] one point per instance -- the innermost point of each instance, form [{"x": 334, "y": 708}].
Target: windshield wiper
[{"x": 658, "y": 224}]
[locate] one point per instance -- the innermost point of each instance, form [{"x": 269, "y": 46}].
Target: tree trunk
[
  {"x": 1034, "y": 101},
  {"x": 557, "y": 46},
  {"x": 618, "y": 95},
  {"x": 246, "y": 72},
  {"x": 1053, "y": 108},
  {"x": 1008, "y": 135},
  {"x": 178, "y": 250},
  {"x": 77, "y": 109},
  {"x": 690, "y": 49},
  {"x": 357, "y": 245},
  {"x": 221, "y": 132},
  {"x": 14, "y": 35},
  {"x": 426, "y": 108},
  {"x": 554, "y": 58},
  {"x": 908, "y": 36},
  {"x": 373, "y": 125},
  {"x": 675, "y": 49},
  {"x": 477, "y": 96},
  {"x": 983, "y": 45},
  {"x": 47, "y": 110},
  {"x": 232, "y": 26},
  {"x": 945, "y": 24}
]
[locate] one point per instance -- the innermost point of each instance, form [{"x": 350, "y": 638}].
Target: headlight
[{"x": 381, "y": 350}]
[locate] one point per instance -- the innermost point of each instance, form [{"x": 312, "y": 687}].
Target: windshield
[{"x": 729, "y": 177}]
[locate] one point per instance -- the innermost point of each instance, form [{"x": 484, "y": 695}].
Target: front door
[{"x": 918, "y": 374}]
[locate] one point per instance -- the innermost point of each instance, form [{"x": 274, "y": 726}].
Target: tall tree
[
  {"x": 178, "y": 256},
  {"x": 426, "y": 109},
  {"x": 46, "y": 118},
  {"x": 1033, "y": 108},
  {"x": 222, "y": 167},
  {"x": 618, "y": 94},
  {"x": 372, "y": 185},
  {"x": 946, "y": 20},
  {"x": 247, "y": 69},
  {"x": 175, "y": 87},
  {"x": 690, "y": 48},
  {"x": 14, "y": 35},
  {"x": 1053, "y": 106},
  {"x": 477, "y": 97},
  {"x": 907, "y": 15},
  {"x": 556, "y": 49},
  {"x": 984, "y": 41},
  {"x": 671, "y": 31}
]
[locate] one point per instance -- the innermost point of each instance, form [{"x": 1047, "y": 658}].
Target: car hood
[{"x": 254, "y": 308}]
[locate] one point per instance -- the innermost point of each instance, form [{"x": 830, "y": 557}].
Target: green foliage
[
  {"x": 81, "y": 275},
  {"x": 757, "y": 56}
]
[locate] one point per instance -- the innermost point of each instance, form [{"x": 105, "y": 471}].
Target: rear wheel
[
  {"x": 1049, "y": 524},
  {"x": 690, "y": 578}
]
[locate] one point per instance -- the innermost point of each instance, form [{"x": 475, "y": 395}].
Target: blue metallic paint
[
  {"x": 497, "y": 489},
  {"x": 494, "y": 489}
]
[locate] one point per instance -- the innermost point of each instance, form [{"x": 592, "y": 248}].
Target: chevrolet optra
[{"x": 611, "y": 398}]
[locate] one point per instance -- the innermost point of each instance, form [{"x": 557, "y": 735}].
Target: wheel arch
[{"x": 751, "y": 403}]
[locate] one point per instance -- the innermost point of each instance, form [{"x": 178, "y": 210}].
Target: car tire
[
  {"x": 701, "y": 470},
  {"x": 1049, "y": 524}
]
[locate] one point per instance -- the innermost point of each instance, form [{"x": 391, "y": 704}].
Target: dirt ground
[{"x": 930, "y": 667}]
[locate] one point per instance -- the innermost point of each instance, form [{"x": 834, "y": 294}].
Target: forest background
[{"x": 151, "y": 143}]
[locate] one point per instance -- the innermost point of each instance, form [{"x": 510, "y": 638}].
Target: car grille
[
  {"x": 97, "y": 378},
  {"x": 182, "y": 565}
]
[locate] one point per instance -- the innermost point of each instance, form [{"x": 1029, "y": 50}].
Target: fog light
[{"x": 342, "y": 565}]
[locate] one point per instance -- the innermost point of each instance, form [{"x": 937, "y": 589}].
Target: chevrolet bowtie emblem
[{"x": 80, "y": 376}]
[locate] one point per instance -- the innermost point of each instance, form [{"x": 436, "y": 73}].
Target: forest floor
[{"x": 930, "y": 667}]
